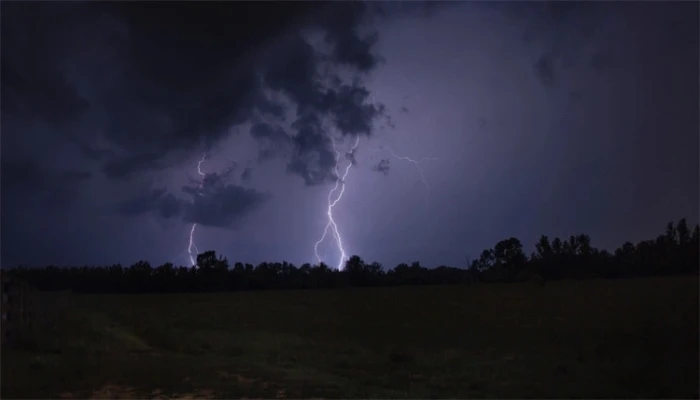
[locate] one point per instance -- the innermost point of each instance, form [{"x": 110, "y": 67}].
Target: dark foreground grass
[{"x": 627, "y": 338}]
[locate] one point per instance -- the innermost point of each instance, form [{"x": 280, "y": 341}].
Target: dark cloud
[
  {"x": 560, "y": 30},
  {"x": 137, "y": 88},
  {"x": 29, "y": 180},
  {"x": 246, "y": 174},
  {"x": 157, "y": 201},
  {"x": 219, "y": 204},
  {"x": 26, "y": 175},
  {"x": 571, "y": 33},
  {"x": 224, "y": 206},
  {"x": 213, "y": 202},
  {"x": 404, "y": 109},
  {"x": 136, "y": 92},
  {"x": 313, "y": 159},
  {"x": 215, "y": 178},
  {"x": 351, "y": 112},
  {"x": 382, "y": 166},
  {"x": 341, "y": 24},
  {"x": 563, "y": 10},
  {"x": 347, "y": 107},
  {"x": 424, "y": 9},
  {"x": 127, "y": 167},
  {"x": 22, "y": 175},
  {"x": 93, "y": 152},
  {"x": 33, "y": 84},
  {"x": 164, "y": 79},
  {"x": 272, "y": 140},
  {"x": 430, "y": 7},
  {"x": 292, "y": 68},
  {"x": 267, "y": 106},
  {"x": 75, "y": 176}
]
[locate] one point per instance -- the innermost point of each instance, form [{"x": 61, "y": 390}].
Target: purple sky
[{"x": 533, "y": 118}]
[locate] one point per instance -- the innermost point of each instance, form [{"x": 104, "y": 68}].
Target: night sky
[{"x": 524, "y": 119}]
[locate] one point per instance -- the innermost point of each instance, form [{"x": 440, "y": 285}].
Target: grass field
[{"x": 627, "y": 338}]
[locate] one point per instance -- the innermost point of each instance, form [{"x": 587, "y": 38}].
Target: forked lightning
[{"x": 339, "y": 187}]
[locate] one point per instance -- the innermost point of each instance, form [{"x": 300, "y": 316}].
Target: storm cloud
[
  {"x": 156, "y": 94},
  {"x": 29, "y": 179},
  {"x": 157, "y": 201},
  {"x": 213, "y": 201},
  {"x": 180, "y": 86},
  {"x": 123, "y": 123},
  {"x": 383, "y": 166}
]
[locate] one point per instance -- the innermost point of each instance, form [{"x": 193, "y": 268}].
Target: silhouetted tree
[
  {"x": 509, "y": 255},
  {"x": 683, "y": 232},
  {"x": 675, "y": 251}
]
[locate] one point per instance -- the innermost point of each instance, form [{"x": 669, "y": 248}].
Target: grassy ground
[{"x": 628, "y": 338}]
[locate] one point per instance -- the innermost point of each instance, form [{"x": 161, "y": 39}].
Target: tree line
[{"x": 675, "y": 252}]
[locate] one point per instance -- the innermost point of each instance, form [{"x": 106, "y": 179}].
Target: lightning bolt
[
  {"x": 192, "y": 245},
  {"x": 339, "y": 188},
  {"x": 417, "y": 163},
  {"x": 194, "y": 225}
]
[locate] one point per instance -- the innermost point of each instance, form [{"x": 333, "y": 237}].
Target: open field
[{"x": 627, "y": 338}]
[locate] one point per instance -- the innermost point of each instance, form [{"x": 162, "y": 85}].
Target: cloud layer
[{"x": 155, "y": 82}]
